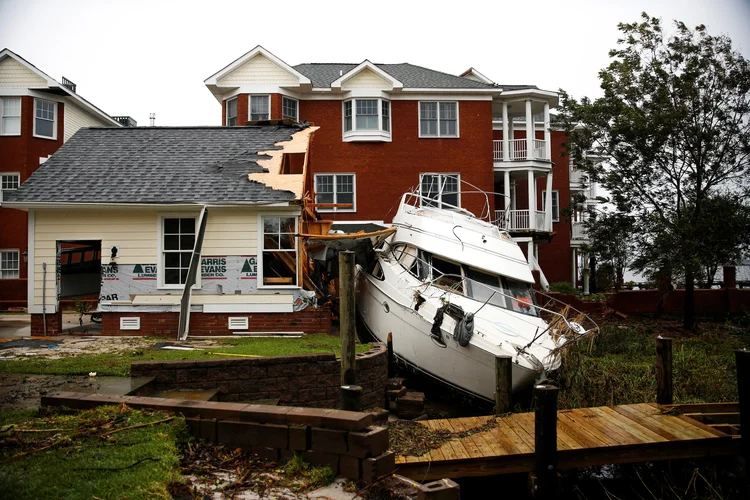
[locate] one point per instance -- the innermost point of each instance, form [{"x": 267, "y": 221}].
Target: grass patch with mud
[
  {"x": 118, "y": 363},
  {"x": 96, "y": 453}
]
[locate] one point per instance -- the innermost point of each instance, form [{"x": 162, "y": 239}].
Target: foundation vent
[
  {"x": 238, "y": 323},
  {"x": 130, "y": 323}
]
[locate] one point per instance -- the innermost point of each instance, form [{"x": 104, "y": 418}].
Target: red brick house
[
  {"x": 37, "y": 115},
  {"x": 389, "y": 128}
]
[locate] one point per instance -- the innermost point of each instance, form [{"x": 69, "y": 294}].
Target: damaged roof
[
  {"x": 158, "y": 165},
  {"x": 412, "y": 76}
]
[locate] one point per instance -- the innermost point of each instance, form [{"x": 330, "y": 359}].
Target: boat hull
[{"x": 470, "y": 369}]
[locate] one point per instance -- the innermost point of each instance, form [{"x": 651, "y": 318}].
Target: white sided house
[{"x": 145, "y": 203}]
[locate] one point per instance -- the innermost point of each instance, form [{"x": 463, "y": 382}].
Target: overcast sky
[{"x": 134, "y": 57}]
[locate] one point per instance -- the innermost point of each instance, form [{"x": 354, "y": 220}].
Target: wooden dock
[{"x": 585, "y": 437}]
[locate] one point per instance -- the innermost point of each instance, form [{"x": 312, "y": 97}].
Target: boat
[{"x": 456, "y": 292}]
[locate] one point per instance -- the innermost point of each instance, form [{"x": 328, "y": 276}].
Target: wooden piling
[
  {"x": 391, "y": 367},
  {"x": 664, "y": 370},
  {"x": 742, "y": 357},
  {"x": 503, "y": 384},
  {"x": 545, "y": 442},
  {"x": 351, "y": 397},
  {"x": 346, "y": 317}
]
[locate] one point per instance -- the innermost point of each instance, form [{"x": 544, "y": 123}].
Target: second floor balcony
[
  {"x": 521, "y": 221},
  {"x": 518, "y": 150},
  {"x": 579, "y": 234}
]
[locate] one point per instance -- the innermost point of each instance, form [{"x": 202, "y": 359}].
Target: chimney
[
  {"x": 125, "y": 121},
  {"x": 152, "y": 117},
  {"x": 68, "y": 84}
]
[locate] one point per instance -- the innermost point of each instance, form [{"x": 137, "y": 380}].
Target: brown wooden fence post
[
  {"x": 351, "y": 397},
  {"x": 742, "y": 357},
  {"x": 664, "y": 370},
  {"x": 503, "y": 384},
  {"x": 545, "y": 442},
  {"x": 391, "y": 367},
  {"x": 346, "y": 317}
]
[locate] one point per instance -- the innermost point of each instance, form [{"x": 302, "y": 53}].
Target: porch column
[
  {"x": 586, "y": 273},
  {"x": 547, "y": 132},
  {"x": 530, "y": 254},
  {"x": 532, "y": 201},
  {"x": 508, "y": 204},
  {"x": 548, "y": 204},
  {"x": 506, "y": 129},
  {"x": 529, "y": 131},
  {"x": 573, "y": 264},
  {"x": 511, "y": 136}
]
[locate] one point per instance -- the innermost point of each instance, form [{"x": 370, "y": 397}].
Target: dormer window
[
  {"x": 260, "y": 107},
  {"x": 367, "y": 120}
]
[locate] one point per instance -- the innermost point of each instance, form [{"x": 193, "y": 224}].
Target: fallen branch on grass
[
  {"x": 153, "y": 459},
  {"x": 169, "y": 419}
]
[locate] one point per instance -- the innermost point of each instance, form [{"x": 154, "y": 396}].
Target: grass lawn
[
  {"x": 83, "y": 464},
  {"x": 619, "y": 367},
  {"x": 118, "y": 364}
]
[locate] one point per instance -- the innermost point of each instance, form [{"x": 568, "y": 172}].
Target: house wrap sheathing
[{"x": 138, "y": 193}]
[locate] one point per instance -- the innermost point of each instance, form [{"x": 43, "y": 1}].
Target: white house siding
[
  {"x": 259, "y": 71},
  {"x": 15, "y": 74},
  {"x": 366, "y": 79},
  {"x": 76, "y": 118},
  {"x": 231, "y": 232}
]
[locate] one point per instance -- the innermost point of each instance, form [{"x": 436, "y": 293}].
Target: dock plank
[{"x": 629, "y": 425}]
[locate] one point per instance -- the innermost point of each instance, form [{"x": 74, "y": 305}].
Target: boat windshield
[{"x": 501, "y": 291}]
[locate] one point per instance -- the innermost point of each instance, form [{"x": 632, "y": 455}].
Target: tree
[
  {"x": 612, "y": 242},
  {"x": 674, "y": 128}
]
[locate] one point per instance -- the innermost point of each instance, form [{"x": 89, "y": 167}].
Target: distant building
[
  {"x": 388, "y": 128},
  {"x": 37, "y": 115}
]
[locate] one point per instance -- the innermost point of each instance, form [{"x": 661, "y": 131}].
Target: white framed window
[
  {"x": 438, "y": 119},
  {"x": 367, "y": 120},
  {"x": 290, "y": 108},
  {"x": 260, "y": 107},
  {"x": 232, "y": 112},
  {"x": 9, "y": 181},
  {"x": 555, "y": 204},
  {"x": 45, "y": 119},
  {"x": 177, "y": 235},
  {"x": 440, "y": 190},
  {"x": 10, "y": 113},
  {"x": 9, "y": 264},
  {"x": 279, "y": 255},
  {"x": 336, "y": 188}
]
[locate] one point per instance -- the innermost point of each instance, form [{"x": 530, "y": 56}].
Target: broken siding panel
[
  {"x": 76, "y": 118},
  {"x": 231, "y": 232},
  {"x": 133, "y": 232},
  {"x": 259, "y": 71},
  {"x": 15, "y": 74},
  {"x": 366, "y": 79}
]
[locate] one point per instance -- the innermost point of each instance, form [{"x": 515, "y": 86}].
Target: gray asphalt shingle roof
[
  {"x": 323, "y": 74},
  {"x": 157, "y": 165}
]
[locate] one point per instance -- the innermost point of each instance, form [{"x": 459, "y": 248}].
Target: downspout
[
  {"x": 195, "y": 261},
  {"x": 44, "y": 296}
]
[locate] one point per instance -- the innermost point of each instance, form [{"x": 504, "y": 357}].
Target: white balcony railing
[
  {"x": 518, "y": 150},
  {"x": 579, "y": 231},
  {"x": 518, "y": 220}
]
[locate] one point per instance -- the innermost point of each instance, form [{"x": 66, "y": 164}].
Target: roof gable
[
  {"x": 366, "y": 74},
  {"x": 15, "y": 74},
  {"x": 269, "y": 66}
]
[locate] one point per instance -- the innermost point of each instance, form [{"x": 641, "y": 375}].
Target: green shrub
[{"x": 563, "y": 287}]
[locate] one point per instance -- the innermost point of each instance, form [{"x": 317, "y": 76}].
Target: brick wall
[
  {"x": 21, "y": 154},
  {"x": 308, "y": 380},
  {"x": 54, "y": 324},
  {"x": 309, "y": 320},
  {"x": 345, "y": 440}
]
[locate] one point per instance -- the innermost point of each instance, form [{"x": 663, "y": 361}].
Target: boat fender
[{"x": 464, "y": 329}]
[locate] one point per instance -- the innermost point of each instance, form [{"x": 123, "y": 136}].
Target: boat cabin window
[
  {"x": 523, "y": 297},
  {"x": 412, "y": 259},
  {"x": 481, "y": 286},
  {"x": 376, "y": 270},
  {"x": 446, "y": 274}
]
